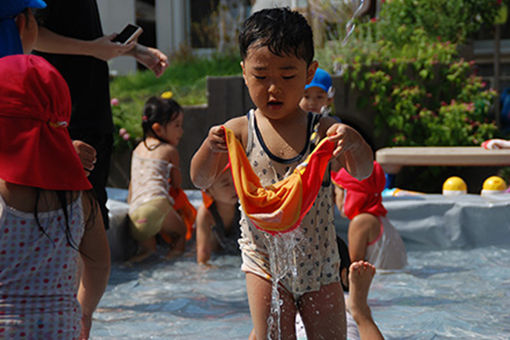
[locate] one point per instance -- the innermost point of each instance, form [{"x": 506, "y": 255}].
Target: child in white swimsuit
[
  {"x": 154, "y": 168},
  {"x": 277, "y": 61}
]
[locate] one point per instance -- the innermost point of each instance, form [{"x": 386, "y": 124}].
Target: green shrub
[
  {"x": 422, "y": 91},
  {"x": 406, "y": 68}
]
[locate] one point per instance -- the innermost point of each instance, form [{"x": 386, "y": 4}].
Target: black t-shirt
[{"x": 87, "y": 77}]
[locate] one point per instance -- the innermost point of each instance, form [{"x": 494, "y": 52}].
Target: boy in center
[{"x": 277, "y": 52}]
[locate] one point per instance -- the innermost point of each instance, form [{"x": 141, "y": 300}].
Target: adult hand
[
  {"x": 87, "y": 155},
  {"x": 105, "y": 49},
  {"x": 152, "y": 58}
]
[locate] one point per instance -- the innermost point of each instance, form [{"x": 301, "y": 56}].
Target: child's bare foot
[
  {"x": 173, "y": 253},
  {"x": 360, "y": 278},
  {"x": 140, "y": 256},
  {"x": 361, "y": 274},
  {"x": 145, "y": 249}
]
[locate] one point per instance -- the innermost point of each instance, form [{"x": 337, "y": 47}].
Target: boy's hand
[
  {"x": 216, "y": 139},
  {"x": 345, "y": 137}
]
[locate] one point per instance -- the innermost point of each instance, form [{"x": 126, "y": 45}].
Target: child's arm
[
  {"x": 352, "y": 151},
  {"x": 212, "y": 156},
  {"x": 204, "y": 235},
  {"x": 96, "y": 263},
  {"x": 175, "y": 172},
  {"x": 339, "y": 198},
  {"x": 209, "y": 159}
]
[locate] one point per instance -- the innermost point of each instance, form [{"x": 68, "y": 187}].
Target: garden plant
[{"x": 405, "y": 66}]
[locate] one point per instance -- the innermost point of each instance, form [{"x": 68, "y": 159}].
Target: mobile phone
[{"x": 128, "y": 34}]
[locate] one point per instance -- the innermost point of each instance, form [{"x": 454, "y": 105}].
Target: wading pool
[{"x": 442, "y": 294}]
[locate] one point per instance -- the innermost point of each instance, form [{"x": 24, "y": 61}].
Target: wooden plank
[{"x": 392, "y": 159}]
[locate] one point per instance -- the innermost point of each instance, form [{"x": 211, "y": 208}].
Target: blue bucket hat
[
  {"x": 321, "y": 79},
  {"x": 10, "y": 42}
]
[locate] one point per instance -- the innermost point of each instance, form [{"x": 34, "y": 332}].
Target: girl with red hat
[
  {"x": 371, "y": 236},
  {"x": 49, "y": 219}
]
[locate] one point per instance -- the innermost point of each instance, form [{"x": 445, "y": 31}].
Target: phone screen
[{"x": 127, "y": 32}]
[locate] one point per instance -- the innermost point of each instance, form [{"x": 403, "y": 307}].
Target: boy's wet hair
[
  {"x": 283, "y": 31},
  {"x": 158, "y": 110}
]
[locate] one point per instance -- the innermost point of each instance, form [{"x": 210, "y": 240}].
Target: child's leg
[
  {"x": 360, "y": 277},
  {"x": 323, "y": 313},
  {"x": 259, "y": 298},
  {"x": 174, "y": 226}
]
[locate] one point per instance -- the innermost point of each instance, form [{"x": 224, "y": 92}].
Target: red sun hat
[
  {"x": 362, "y": 196},
  {"x": 35, "y": 108}
]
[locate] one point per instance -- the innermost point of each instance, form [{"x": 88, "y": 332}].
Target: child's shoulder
[
  {"x": 239, "y": 125},
  {"x": 164, "y": 152},
  {"x": 169, "y": 152}
]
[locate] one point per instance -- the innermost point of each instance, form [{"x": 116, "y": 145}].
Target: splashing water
[
  {"x": 283, "y": 250},
  {"x": 350, "y": 26}
]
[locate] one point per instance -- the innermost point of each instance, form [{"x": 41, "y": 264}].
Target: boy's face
[
  {"x": 276, "y": 84},
  {"x": 314, "y": 99}
]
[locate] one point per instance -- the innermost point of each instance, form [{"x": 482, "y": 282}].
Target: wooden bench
[{"x": 393, "y": 159}]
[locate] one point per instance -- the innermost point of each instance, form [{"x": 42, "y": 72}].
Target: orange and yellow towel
[
  {"x": 185, "y": 209},
  {"x": 280, "y": 207}
]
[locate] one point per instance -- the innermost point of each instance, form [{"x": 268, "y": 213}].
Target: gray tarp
[{"x": 423, "y": 221}]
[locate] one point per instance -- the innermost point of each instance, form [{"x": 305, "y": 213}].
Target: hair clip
[
  {"x": 58, "y": 124},
  {"x": 331, "y": 92},
  {"x": 167, "y": 95}
]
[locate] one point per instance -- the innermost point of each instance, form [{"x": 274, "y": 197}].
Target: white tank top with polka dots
[
  {"x": 39, "y": 273},
  {"x": 316, "y": 254}
]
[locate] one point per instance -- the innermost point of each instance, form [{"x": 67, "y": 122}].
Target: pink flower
[
  {"x": 114, "y": 102},
  {"x": 122, "y": 132},
  {"x": 126, "y": 136},
  {"x": 373, "y": 19}
]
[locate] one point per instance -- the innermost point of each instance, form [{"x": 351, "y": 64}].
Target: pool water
[
  {"x": 448, "y": 294},
  {"x": 444, "y": 293}
]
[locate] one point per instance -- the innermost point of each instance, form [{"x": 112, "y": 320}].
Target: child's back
[
  {"x": 371, "y": 235},
  {"x": 49, "y": 221}
]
